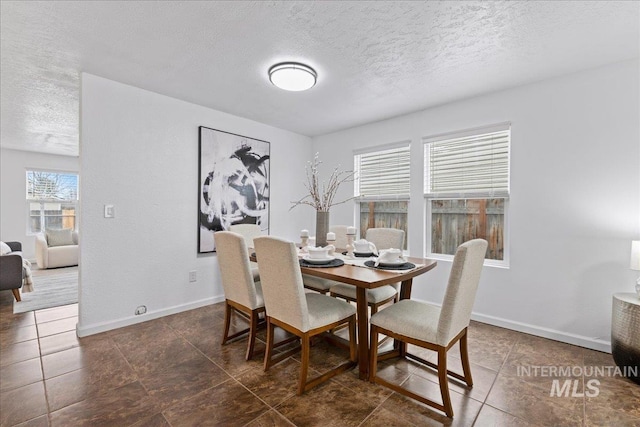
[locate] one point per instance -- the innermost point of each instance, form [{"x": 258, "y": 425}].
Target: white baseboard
[
  {"x": 579, "y": 340},
  {"x": 96, "y": 328},
  {"x": 566, "y": 337}
]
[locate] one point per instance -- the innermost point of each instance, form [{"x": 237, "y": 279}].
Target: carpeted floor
[{"x": 51, "y": 288}]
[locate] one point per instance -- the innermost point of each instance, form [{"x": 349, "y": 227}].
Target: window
[
  {"x": 382, "y": 187},
  {"x": 467, "y": 190},
  {"x": 52, "y": 199}
]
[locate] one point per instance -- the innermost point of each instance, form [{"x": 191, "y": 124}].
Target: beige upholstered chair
[
  {"x": 383, "y": 238},
  {"x": 242, "y": 293},
  {"x": 249, "y": 232},
  {"x": 432, "y": 327},
  {"x": 57, "y": 248},
  {"x": 302, "y": 314},
  {"x": 341, "y": 235}
]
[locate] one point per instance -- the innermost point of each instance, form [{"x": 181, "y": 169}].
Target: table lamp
[{"x": 635, "y": 261}]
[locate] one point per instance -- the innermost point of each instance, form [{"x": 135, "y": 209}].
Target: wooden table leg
[
  {"x": 405, "y": 293},
  {"x": 363, "y": 333}
]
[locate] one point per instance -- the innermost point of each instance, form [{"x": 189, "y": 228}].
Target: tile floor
[{"x": 174, "y": 372}]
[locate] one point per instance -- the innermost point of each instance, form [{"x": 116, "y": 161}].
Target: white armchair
[{"x": 57, "y": 248}]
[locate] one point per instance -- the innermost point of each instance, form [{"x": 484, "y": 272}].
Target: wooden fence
[
  {"x": 456, "y": 221},
  {"x": 384, "y": 215}
]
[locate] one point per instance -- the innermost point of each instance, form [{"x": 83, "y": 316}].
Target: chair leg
[
  {"x": 253, "y": 328},
  {"x": 227, "y": 322},
  {"x": 373, "y": 354},
  {"x": 444, "y": 381},
  {"x": 353, "y": 345},
  {"x": 269, "y": 350},
  {"x": 464, "y": 356},
  {"x": 16, "y": 294},
  {"x": 304, "y": 368}
]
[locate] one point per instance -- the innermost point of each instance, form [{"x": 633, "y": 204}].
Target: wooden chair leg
[
  {"x": 353, "y": 345},
  {"x": 253, "y": 328},
  {"x": 16, "y": 294},
  {"x": 464, "y": 356},
  {"x": 304, "y": 368},
  {"x": 373, "y": 354},
  {"x": 227, "y": 322},
  {"x": 444, "y": 381},
  {"x": 269, "y": 350}
]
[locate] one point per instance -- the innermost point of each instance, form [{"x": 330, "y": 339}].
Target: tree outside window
[{"x": 52, "y": 199}]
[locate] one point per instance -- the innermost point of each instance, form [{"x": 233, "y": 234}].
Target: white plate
[
  {"x": 392, "y": 263},
  {"x": 318, "y": 260}
]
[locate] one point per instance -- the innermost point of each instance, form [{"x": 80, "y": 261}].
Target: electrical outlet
[
  {"x": 193, "y": 276},
  {"x": 141, "y": 309}
]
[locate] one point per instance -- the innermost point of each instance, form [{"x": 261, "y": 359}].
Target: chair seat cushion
[
  {"x": 324, "y": 310},
  {"x": 374, "y": 296},
  {"x": 317, "y": 283},
  {"x": 412, "y": 319}
]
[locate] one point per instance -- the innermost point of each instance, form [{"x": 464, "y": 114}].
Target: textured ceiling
[{"x": 375, "y": 60}]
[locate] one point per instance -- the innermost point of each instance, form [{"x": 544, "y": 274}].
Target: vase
[{"x": 322, "y": 227}]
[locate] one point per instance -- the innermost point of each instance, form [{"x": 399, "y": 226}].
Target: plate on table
[
  {"x": 391, "y": 263},
  {"x": 361, "y": 254},
  {"x": 404, "y": 265},
  {"x": 326, "y": 260}
]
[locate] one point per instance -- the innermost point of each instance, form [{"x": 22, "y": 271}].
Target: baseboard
[
  {"x": 579, "y": 340},
  {"x": 96, "y": 328}
]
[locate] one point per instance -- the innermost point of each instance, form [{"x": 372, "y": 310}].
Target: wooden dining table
[{"x": 364, "y": 278}]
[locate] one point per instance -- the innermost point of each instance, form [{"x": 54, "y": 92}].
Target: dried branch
[{"x": 321, "y": 197}]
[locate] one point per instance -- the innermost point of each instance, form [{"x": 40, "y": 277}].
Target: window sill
[{"x": 487, "y": 262}]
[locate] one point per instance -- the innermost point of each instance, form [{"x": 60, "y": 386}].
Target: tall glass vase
[{"x": 322, "y": 227}]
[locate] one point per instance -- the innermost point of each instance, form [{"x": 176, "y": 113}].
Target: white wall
[
  {"x": 574, "y": 206},
  {"x": 13, "y": 190},
  {"x": 139, "y": 152}
]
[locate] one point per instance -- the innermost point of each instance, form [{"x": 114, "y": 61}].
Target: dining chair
[
  {"x": 432, "y": 327},
  {"x": 383, "y": 238},
  {"x": 249, "y": 232},
  {"x": 304, "y": 315},
  {"x": 242, "y": 293}
]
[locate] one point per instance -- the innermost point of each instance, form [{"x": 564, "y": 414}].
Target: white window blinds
[
  {"x": 383, "y": 174},
  {"x": 43, "y": 185},
  {"x": 468, "y": 166}
]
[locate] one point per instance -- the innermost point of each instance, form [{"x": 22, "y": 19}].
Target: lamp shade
[
  {"x": 292, "y": 76},
  {"x": 635, "y": 255}
]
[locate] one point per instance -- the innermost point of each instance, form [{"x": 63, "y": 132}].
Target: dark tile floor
[{"x": 174, "y": 372}]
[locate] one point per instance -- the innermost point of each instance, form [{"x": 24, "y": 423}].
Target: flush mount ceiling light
[{"x": 292, "y": 76}]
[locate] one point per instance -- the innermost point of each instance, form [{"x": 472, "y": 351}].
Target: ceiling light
[{"x": 292, "y": 76}]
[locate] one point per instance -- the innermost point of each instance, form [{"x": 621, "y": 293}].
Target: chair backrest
[
  {"x": 386, "y": 238},
  {"x": 461, "y": 290},
  {"x": 341, "y": 235},
  {"x": 248, "y": 231},
  {"x": 233, "y": 260},
  {"x": 281, "y": 281}
]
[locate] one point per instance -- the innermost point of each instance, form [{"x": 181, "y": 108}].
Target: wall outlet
[
  {"x": 193, "y": 276},
  {"x": 141, "y": 309}
]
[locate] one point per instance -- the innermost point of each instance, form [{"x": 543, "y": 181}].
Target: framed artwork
[{"x": 233, "y": 184}]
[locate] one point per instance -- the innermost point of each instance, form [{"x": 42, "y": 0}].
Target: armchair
[
  {"x": 11, "y": 269},
  {"x": 50, "y": 256}
]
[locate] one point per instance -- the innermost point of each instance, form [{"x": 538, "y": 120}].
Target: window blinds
[
  {"x": 468, "y": 166},
  {"x": 383, "y": 174}
]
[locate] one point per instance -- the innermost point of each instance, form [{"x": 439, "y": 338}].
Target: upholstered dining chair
[
  {"x": 432, "y": 327},
  {"x": 302, "y": 314},
  {"x": 249, "y": 232},
  {"x": 242, "y": 293},
  {"x": 383, "y": 238}
]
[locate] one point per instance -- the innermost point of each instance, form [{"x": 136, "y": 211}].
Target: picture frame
[{"x": 233, "y": 183}]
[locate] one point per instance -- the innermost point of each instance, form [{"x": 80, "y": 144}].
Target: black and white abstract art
[{"x": 233, "y": 184}]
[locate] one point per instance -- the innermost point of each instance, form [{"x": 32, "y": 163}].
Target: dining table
[{"x": 355, "y": 273}]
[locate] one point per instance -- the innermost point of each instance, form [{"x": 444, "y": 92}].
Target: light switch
[{"x": 109, "y": 211}]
